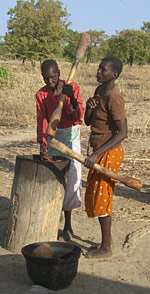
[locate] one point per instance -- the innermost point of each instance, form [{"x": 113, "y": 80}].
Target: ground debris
[{"x": 134, "y": 237}]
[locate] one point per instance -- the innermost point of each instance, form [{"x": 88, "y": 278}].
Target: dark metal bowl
[{"x": 53, "y": 273}]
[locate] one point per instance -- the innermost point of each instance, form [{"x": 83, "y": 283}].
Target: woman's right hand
[
  {"x": 92, "y": 102},
  {"x": 91, "y": 160}
]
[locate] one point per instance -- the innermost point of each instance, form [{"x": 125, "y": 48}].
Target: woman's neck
[{"x": 108, "y": 86}]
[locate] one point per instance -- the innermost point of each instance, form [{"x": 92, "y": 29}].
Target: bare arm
[{"x": 114, "y": 141}]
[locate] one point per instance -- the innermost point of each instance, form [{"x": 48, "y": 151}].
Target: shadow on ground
[
  {"x": 4, "y": 209},
  {"x": 128, "y": 193},
  {"x": 14, "y": 279},
  {"x": 6, "y": 165},
  {"x": 76, "y": 240}
]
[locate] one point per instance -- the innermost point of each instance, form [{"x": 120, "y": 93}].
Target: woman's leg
[
  {"x": 105, "y": 223},
  {"x": 105, "y": 248},
  {"x": 67, "y": 230},
  {"x": 67, "y": 225}
]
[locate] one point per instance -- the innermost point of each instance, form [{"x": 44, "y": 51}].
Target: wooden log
[
  {"x": 36, "y": 201},
  {"x": 4, "y": 215}
]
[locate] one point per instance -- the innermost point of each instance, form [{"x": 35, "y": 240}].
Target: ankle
[
  {"x": 106, "y": 246},
  {"x": 68, "y": 229}
]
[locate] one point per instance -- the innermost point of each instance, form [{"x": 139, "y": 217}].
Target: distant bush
[
  {"x": 5, "y": 77},
  {"x": 2, "y": 58}
]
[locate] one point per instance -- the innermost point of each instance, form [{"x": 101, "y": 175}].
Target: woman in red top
[{"x": 68, "y": 131}]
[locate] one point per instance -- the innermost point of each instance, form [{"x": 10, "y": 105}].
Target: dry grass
[{"x": 17, "y": 103}]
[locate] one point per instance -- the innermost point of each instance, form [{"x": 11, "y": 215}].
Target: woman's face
[{"x": 105, "y": 73}]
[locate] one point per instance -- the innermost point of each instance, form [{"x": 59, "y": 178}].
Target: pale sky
[{"x": 107, "y": 15}]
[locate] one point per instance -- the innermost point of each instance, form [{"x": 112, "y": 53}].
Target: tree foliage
[
  {"x": 37, "y": 28},
  {"x": 71, "y": 45},
  {"x": 130, "y": 45},
  {"x": 96, "y": 45},
  {"x": 146, "y": 27},
  {"x": 4, "y": 49},
  {"x": 40, "y": 28}
]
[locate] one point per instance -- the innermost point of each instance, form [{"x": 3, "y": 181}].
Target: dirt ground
[{"x": 128, "y": 270}]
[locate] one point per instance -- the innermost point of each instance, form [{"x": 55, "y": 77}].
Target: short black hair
[
  {"x": 49, "y": 63},
  {"x": 115, "y": 63}
]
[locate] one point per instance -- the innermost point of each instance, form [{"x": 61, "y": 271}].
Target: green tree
[
  {"x": 37, "y": 28},
  {"x": 72, "y": 42},
  {"x": 97, "y": 45},
  {"x": 146, "y": 27},
  {"x": 2, "y": 47},
  {"x": 4, "y": 50},
  {"x": 130, "y": 45}
]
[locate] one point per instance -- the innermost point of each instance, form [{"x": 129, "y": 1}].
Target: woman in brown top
[{"x": 106, "y": 115}]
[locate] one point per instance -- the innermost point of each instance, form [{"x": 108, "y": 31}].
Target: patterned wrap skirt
[
  {"x": 71, "y": 138},
  {"x": 99, "y": 189}
]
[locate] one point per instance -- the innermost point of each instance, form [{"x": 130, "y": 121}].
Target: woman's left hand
[{"x": 68, "y": 90}]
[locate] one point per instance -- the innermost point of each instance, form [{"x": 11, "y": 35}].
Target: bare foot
[
  {"x": 99, "y": 253},
  {"x": 65, "y": 236},
  {"x": 98, "y": 245}
]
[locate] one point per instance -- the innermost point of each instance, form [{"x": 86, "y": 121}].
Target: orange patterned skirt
[{"x": 99, "y": 189}]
